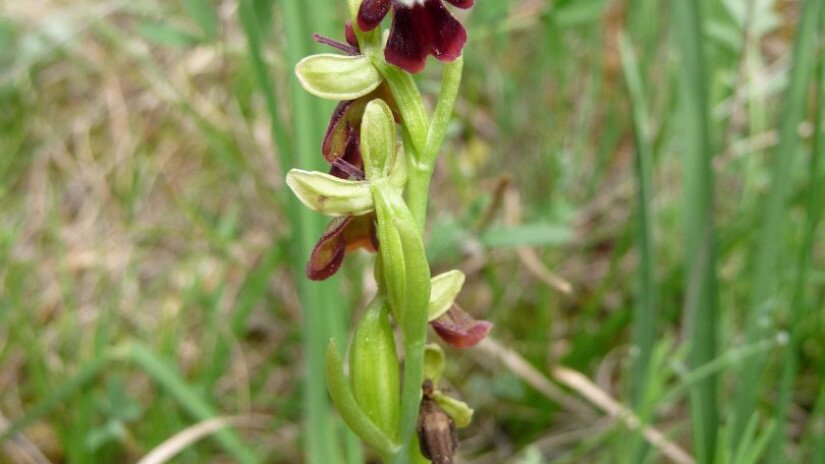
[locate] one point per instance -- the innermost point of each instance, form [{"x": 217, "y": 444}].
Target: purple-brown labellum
[
  {"x": 459, "y": 329},
  {"x": 419, "y": 28},
  {"x": 342, "y": 138},
  {"x": 437, "y": 437},
  {"x": 349, "y": 34},
  {"x": 342, "y": 235}
]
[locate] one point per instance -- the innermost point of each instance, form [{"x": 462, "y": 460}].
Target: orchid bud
[
  {"x": 378, "y": 139},
  {"x": 373, "y": 368},
  {"x": 434, "y": 362},
  {"x": 349, "y": 409},
  {"x": 330, "y": 195},
  {"x": 338, "y": 77},
  {"x": 444, "y": 289},
  {"x": 458, "y": 410},
  {"x": 403, "y": 260}
]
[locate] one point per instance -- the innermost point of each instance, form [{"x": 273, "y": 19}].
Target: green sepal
[
  {"x": 444, "y": 289},
  {"x": 330, "y": 195},
  {"x": 348, "y": 408},
  {"x": 338, "y": 77},
  {"x": 416, "y": 300},
  {"x": 391, "y": 253},
  {"x": 461, "y": 414},
  {"x": 403, "y": 260},
  {"x": 378, "y": 139},
  {"x": 434, "y": 362},
  {"x": 373, "y": 368}
]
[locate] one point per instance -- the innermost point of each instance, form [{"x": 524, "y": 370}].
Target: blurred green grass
[{"x": 143, "y": 205}]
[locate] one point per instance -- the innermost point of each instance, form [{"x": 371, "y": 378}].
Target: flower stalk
[{"x": 382, "y": 147}]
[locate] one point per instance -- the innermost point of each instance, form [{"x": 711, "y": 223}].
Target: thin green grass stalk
[
  {"x": 644, "y": 320},
  {"x": 320, "y": 442},
  {"x": 156, "y": 368},
  {"x": 702, "y": 300},
  {"x": 317, "y": 299},
  {"x": 337, "y": 316},
  {"x": 644, "y": 314},
  {"x": 769, "y": 244},
  {"x": 168, "y": 378},
  {"x": 814, "y": 206}
]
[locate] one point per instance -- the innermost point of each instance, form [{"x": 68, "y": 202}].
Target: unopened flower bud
[{"x": 374, "y": 368}]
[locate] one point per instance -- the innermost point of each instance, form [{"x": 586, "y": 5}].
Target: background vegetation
[{"x": 632, "y": 186}]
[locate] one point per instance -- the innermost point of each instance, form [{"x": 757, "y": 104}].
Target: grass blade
[
  {"x": 644, "y": 316},
  {"x": 166, "y": 376},
  {"x": 800, "y": 303},
  {"x": 774, "y": 222},
  {"x": 323, "y": 318},
  {"x": 701, "y": 301}
]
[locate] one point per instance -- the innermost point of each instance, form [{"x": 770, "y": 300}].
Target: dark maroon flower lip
[
  {"x": 343, "y": 234},
  {"x": 419, "y": 28},
  {"x": 459, "y": 329}
]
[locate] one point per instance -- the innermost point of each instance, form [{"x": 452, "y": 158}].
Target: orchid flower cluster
[{"x": 382, "y": 146}]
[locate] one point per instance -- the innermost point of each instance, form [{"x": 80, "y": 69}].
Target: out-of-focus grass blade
[
  {"x": 801, "y": 301},
  {"x": 768, "y": 249},
  {"x": 60, "y": 396},
  {"x": 323, "y": 315},
  {"x": 163, "y": 33},
  {"x": 644, "y": 314},
  {"x": 167, "y": 377},
  {"x": 163, "y": 374},
  {"x": 701, "y": 299},
  {"x": 203, "y": 13},
  {"x": 526, "y": 235}
]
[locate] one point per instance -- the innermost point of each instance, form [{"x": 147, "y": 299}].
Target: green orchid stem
[
  {"x": 410, "y": 395},
  {"x": 422, "y": 148},
  {"x": 421, "y": 167}
]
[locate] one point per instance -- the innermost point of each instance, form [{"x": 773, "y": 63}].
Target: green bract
[
  {"x": 461, "y": 414},
  {"x": 338, "y": 77},
  {"x": 347, "y": 406},
  {"x": 433, "y": 362},
  {"x": 378, "y": 139},
  {"x": 330, "y": 195},
  {"x": 373, "y": 368},
  {"x": 444, "y": 288}
]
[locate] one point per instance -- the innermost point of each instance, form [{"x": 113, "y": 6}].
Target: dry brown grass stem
[
  {"x": 173, "y": 445},
  {"x": 528, "y": 256},
  {"x": 19, "y": 449},
  {"x": 588, "y": 390}
]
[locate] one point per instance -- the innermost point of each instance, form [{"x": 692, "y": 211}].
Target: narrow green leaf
[
  {"x": 167, "y": 34},
  {"x": 774, "y": 223},
  {"x": 203, "y": 12},
  {"x": 537, "y": 234},
  {"x": 701, "y": 299}
]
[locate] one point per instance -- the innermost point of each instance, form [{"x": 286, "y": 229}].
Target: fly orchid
[
  {"x": 376, "y": 193},
  {"x": 419, "y": 28}
]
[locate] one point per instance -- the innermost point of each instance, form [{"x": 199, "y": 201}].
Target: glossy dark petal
[
  {"x": 411, "y": 38},
  {"x": 337, "y": 135},
  {"x": 349, "y": 164},
  {"x": 449, "y": 34},
  {"x": 459, "y": 329},
  {"x": 342, "y": 235},
  {"x": 372, "y": 12},
  {"x": 421, "y": 30},
  {"x": 349, "y": 34},
  {"x": 328, "y": 253}
]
